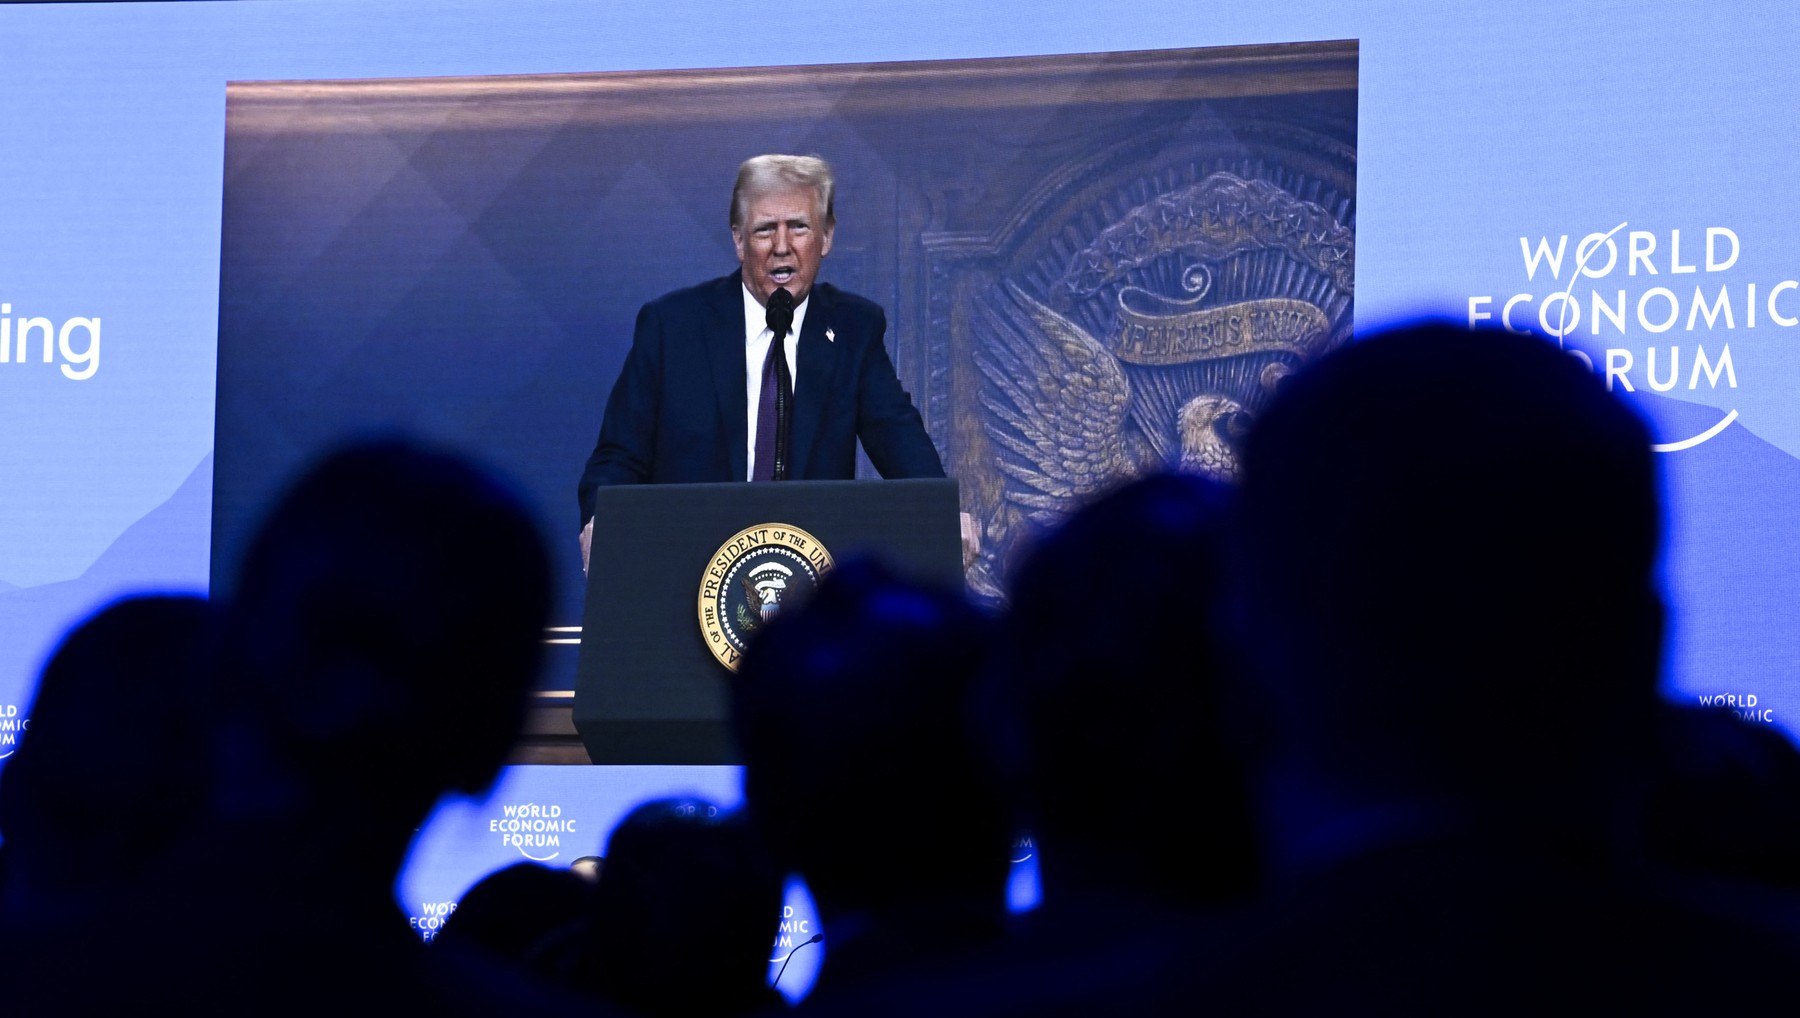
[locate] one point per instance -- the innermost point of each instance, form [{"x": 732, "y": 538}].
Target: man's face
[{"x": 780, "y": 243}]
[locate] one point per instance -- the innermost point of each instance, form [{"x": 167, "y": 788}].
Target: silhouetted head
[
  {"x": 1448, "y": 541},
  {"x": 115, "y": 760},
  {"x": 387, "y": 624},
  {"x": 858, "y": 761},
  {"x": 684, "y": 914},
  {"x": 512, "y": 910},
  {"x": 1110, "y": 675},
  {"x": 1722, "y": 796}
]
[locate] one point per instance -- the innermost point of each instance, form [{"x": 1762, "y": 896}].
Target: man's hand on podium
[{"x": 587, "y": 544}]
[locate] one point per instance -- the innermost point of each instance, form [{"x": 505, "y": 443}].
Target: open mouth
[{"x": 782, "y": 276}]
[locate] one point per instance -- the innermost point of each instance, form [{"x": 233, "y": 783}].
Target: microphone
[
  {"x": 780, "y": 320},
  {"x": 781, "y": 312},
  {"x": 817, "y": 936}
]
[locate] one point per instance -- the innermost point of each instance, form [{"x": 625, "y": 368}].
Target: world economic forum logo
[
  {"x": 535, "y": 829},
  {"x": 1677, "y": 291},
  {"x": 1746, "y": 706},
  {"x": 430, "y": 918},
  {"x": 12, "y": 726}
]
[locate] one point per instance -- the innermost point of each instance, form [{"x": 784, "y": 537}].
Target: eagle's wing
[{"x": 1056, "y": 402}]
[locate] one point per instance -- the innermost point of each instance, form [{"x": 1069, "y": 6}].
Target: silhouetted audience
[
  {"x": 114, "y": 765},
  {"x": 1104, "y": 707},
  {"x": 1724, "y": 798},
  {"x": 1110, "y": 697},
  {"x": 384, "y": 631},
  {"x": 377, "y": 650},
  {"x": 1446, "y": 551},
  {"x": 1378, "y": 731},
  {"x": 683, "y": 916},
  {"x": 513, "y": 912},
  {"x": 385, "y": 628},
  {"x": 861, "y": 771}
]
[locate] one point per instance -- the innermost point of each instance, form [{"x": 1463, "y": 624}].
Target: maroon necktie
[{"x": 775, "y": 406}]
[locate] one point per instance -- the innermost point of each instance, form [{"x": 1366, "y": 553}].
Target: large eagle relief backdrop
[
  {"x": 1137, "y": 303},
  {"x": 1093, "y": 265}
]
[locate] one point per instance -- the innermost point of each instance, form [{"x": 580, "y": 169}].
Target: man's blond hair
[{"x": 766, "y": 174}]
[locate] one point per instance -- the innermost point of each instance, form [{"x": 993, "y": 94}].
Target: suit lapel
[
  {"x": 725, "y": 349},
  {"x": 817, "y": 358}
]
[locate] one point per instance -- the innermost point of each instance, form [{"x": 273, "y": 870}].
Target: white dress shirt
[{"x": 757, "y": 336}]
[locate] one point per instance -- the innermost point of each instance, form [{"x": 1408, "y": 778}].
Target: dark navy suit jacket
[{"x": 677, "y": 413}]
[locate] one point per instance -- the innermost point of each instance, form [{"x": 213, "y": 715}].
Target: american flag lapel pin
[{"x": 830, "y": 335}]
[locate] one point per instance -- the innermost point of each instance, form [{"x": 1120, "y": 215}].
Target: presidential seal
[{"x": 762, "y": 571}]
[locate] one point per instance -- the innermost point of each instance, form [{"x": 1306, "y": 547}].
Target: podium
[{"x": 652, "y": 684}]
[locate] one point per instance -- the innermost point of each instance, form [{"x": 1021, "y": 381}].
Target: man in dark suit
[{"x": 693, "y": 402}]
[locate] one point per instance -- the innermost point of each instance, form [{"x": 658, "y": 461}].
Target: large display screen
[{"x": 238, "y": 232}]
